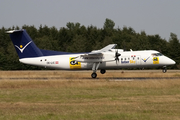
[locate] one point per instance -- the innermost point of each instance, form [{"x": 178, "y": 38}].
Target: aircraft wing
[
  {"x": 110, "y": 46},
  {"x": 107, "y": 48},
  {"x": 98, "y": 55}
]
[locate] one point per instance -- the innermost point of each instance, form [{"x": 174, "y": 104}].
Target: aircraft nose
[
  {"x": 171, "y": 62},
  {"x": 167, "y": 61}
]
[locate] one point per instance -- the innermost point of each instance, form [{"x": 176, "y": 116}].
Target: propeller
[{"x": 117, "y": 56}]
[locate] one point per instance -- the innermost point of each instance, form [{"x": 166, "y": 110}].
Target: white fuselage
[{"x": 129, "y": 59}]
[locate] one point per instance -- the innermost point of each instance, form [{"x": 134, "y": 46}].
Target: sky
[{"x": 160, "y": 17}]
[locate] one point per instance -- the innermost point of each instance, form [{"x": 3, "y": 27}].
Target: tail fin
[{"x": 24, "y": 45}]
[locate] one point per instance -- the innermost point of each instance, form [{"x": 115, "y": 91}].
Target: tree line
[{"x": 78, "y": 38}]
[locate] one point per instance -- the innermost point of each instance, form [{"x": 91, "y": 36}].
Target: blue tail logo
[
  {"x": 24, "y": 45},
  {"x": 21, "y": 47}
]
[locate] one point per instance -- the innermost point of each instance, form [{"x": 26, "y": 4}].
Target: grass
[{"x": 86, "y": 99}]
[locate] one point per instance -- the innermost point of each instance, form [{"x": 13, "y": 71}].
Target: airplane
[{"x": 103, "y": 59}]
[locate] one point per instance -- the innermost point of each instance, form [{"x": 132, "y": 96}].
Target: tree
[
  {"x": 109, "y": 24},
  {"x": 174, "y": 48},
  {"x": 78, "y": 38},
  {"x": 78, "y": 44}
]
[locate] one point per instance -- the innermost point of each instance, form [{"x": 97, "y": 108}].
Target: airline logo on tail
[{"x": 21, "y": 48}]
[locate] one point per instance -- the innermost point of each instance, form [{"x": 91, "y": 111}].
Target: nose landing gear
[{"x": 164, "y": 70}]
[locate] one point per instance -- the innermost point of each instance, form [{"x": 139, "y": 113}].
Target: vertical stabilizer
[{"x": 23, "y": 44}]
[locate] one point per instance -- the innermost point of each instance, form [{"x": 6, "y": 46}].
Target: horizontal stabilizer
[{"x": 13, "y": 31}]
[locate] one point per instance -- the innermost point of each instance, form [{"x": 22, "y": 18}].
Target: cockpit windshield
[{"x": 157, "y": 54}]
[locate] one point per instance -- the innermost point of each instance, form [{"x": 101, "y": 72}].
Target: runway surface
[
  {"x": 112, "y": 75},
  {"x": 108, "y": 78}
]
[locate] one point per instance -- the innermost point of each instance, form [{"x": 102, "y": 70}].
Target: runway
[
  {"x": 108, "y": 78},
  {"x": 111, "y": 75}
]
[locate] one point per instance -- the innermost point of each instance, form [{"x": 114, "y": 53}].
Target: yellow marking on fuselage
[
  {"x": 155, "y": 60},
  {"x": 74, "y": 65}
]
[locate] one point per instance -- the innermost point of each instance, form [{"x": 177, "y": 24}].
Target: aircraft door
[{"x": 138, "y": 60}]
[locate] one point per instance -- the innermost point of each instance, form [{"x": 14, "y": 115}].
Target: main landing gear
[
  {"x": 94, "y": 74},
  {"x": 94, "y": 68},
  {"x": 102, "y": 71}
]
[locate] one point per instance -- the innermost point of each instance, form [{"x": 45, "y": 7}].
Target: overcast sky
[{"x": 152, "y": 16}]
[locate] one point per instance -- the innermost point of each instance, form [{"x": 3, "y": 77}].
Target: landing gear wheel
[
  {"x": 164, "y": 70},
  {"x": 103, "y": 71},
  {"x": 93, "y": 75}
]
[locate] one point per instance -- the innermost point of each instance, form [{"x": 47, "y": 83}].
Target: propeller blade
[{"x": 117, "y": 56}]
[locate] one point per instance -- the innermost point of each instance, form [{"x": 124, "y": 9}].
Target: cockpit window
[{"x": 157, "y": 54}]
